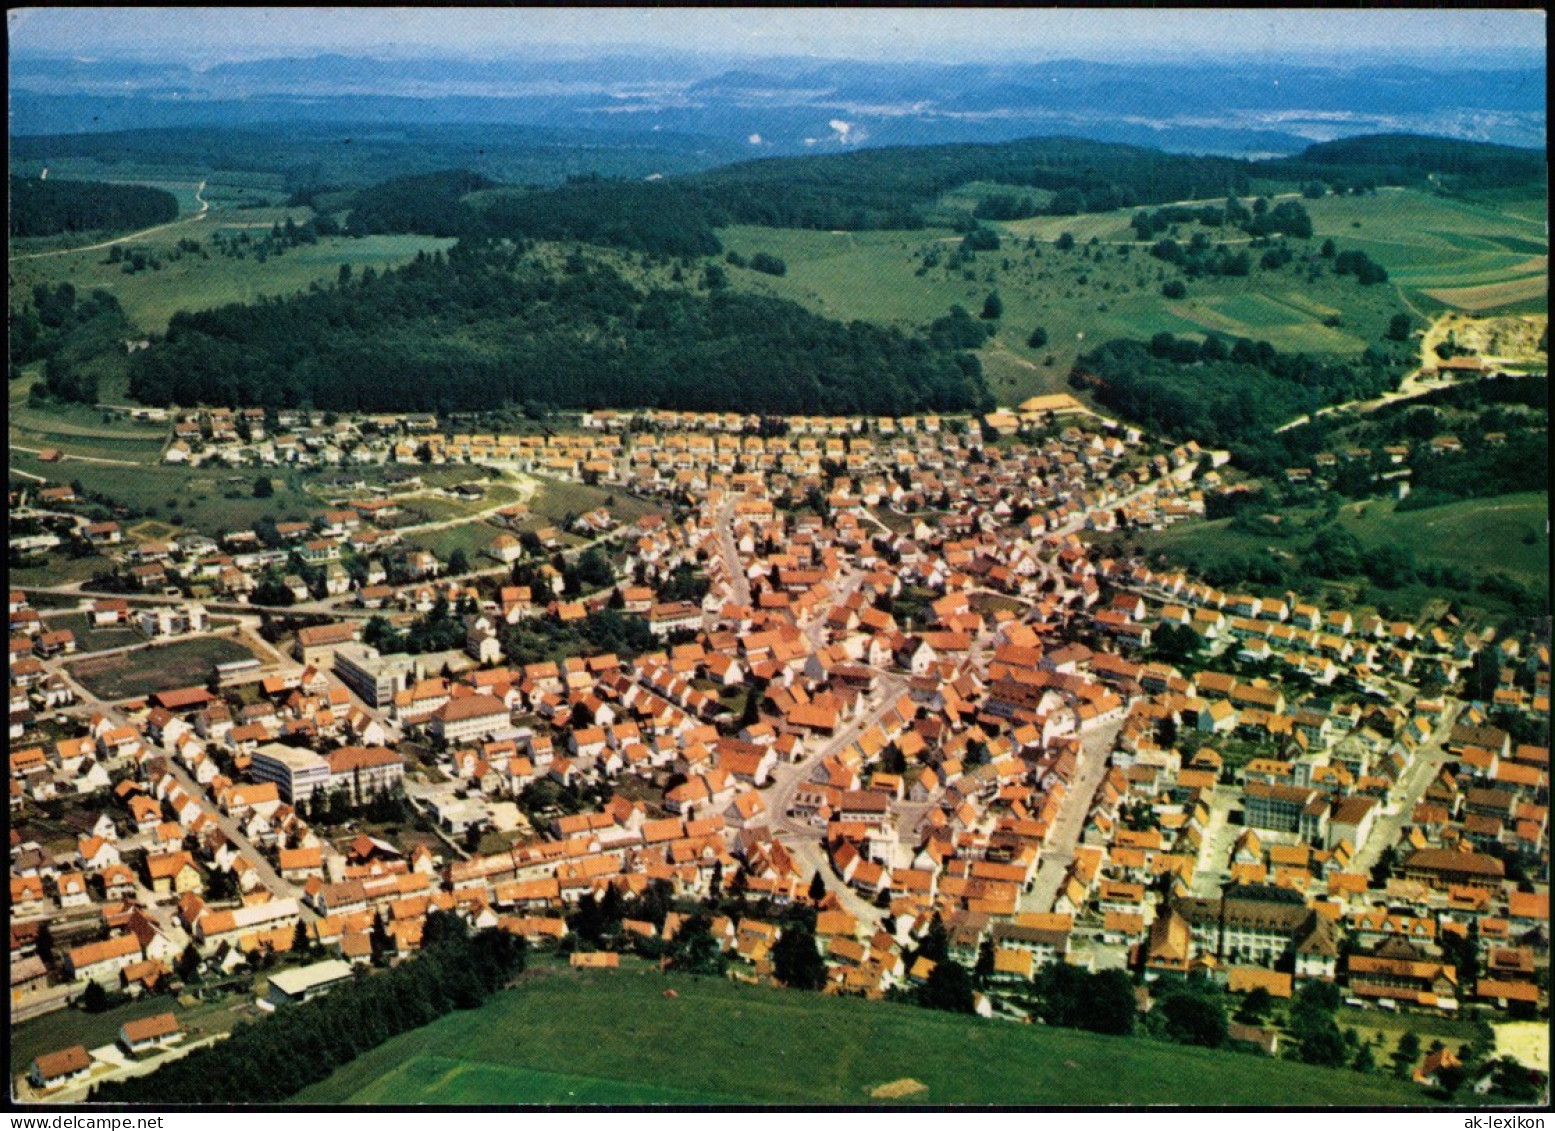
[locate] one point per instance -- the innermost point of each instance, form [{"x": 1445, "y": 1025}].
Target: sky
[{"x": 202, "y": 35}]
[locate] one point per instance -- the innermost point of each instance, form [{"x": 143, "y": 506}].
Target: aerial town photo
[{"x": 778, "y": 558}]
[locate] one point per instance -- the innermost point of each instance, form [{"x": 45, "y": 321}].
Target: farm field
[
  {"x": 156, "y": 668},
  {"x": 719, "y": 1042},
  {"x": 80, "y": 430}
]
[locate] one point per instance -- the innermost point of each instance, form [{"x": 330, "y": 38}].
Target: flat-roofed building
[
  {"x": 374, "y": 677},
  {"x": 287, "y": 987},
  {"x": 297, "y": 773}
]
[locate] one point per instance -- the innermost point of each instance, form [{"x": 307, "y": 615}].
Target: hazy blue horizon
[{"x": 202, "y": 37}]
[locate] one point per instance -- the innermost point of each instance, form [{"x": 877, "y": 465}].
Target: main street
[
  {"x": 803, "y": 840},
  {"x": 733, "y": 566},
  {"x": 1058, "y": 853},
  {"x": 1406, "y": 793}
]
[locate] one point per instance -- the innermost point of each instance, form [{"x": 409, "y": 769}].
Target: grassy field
[
  {"x": 80, "y": 430},
  {"x": 210, "y": 500},
  {"x": 89, "y": 639},
  {"x": 1087, "y": 294},
  {"x": 615, "y": 1037},
  {"x": 558, "y": 498},
  {"x": 1479, "y": 256},
  {"x": 158, "y": 668},
  {"x": 150, "y": 298},
  {"x": 1368, "y": 1023},
  {"x": 471, "y": 537},
  {"x": 1505, "y": 532}
]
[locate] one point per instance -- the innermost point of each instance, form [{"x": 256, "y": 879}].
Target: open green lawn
[
  {"x": 615, "y": 1037},
  {"x": 558, "y": 498},
  {"x": 156, "y": 668},
  {"x": 471, "y": 537}
]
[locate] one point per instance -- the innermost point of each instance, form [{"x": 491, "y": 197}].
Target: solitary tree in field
[{"x": 993, "y": 306}]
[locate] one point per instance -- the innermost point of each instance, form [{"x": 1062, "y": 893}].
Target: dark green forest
[
  {"x": 483, "y": 326},
  {"x": 1225, "y": 396},
  {"x": 1410, "y": 159},
  {"x": 661, "y": 217},
  {"x": 47, "y": 208},
  {"x": 427, "y": 203}
]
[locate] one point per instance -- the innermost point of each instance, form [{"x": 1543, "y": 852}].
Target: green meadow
[{"x": 620, "y": 1037}]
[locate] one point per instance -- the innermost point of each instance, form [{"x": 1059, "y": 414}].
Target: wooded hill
[
  {"x": 484, "y": 326},
  {"x": 900, "y": 187},
  {"x": 1411, "y": 159},
  {"x": 47, "y": 208}
]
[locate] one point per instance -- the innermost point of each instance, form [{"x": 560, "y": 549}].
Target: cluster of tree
[
  {"x": 1075, "y": 998},
  {"x": 684, "y": 583},
  {"x": 268, "y": 1061},
  {"x": 1005, "y": 206},
  {"x": 427, "y": 203},
  {"x": 335, "y": 806},
  {"x": 1316, "y": 1034},
  {"x": 1366, "y": 270},
  {"x": 476, "y": 328},
  {"x": 47, "y": 208},
  {"x": 1287, "y": 218},
  {"x": 1202, "y": 257},
  {"x": 958, "y": 330},
  {"x": 896, "y": 187},
  {"x": 41, "y": 327},
  {"x": 81, "y": 340},
  {"x": 768, "y": 264},
  {"x": 1225, "y": 396},
  {"x": 1513, "y": 411},
  {"x": 948, "y": 987},
  {"x": 320, "y": 162},
  {"x": 539, "y": 639},
  {"x": 1191, "y": 1012},
  {"x": 439, "y": 630},
  {"x": 273, "y": 244}
]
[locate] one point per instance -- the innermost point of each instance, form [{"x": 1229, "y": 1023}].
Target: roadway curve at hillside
[{"x": 205, "y": 207}]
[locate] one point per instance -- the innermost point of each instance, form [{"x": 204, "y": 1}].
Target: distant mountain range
[{"x": 788, "y": 106}]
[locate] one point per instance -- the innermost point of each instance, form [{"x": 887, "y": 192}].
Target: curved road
[{"x": 205, "y": 207}]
